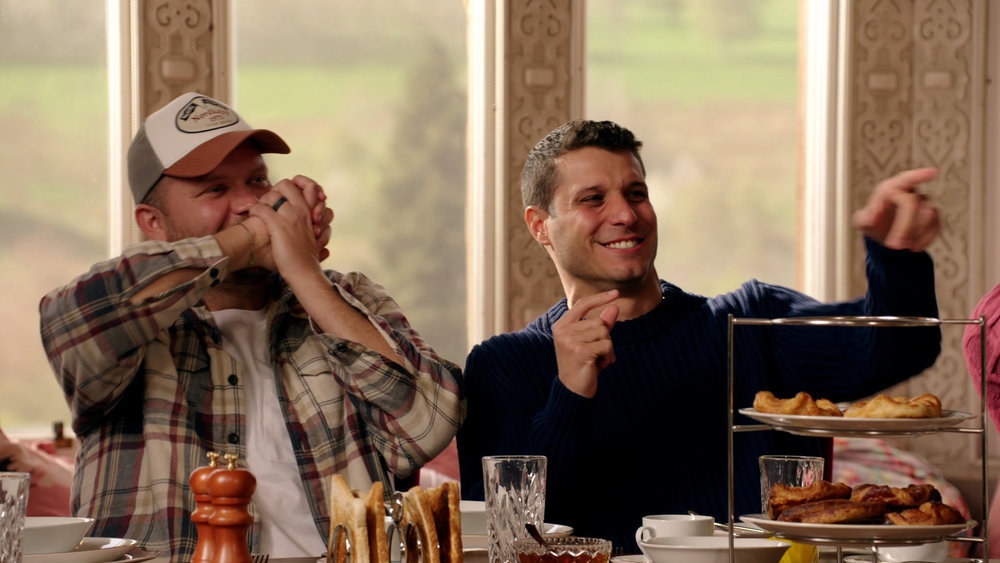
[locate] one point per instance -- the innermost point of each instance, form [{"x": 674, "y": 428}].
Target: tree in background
[{"x": 421, "y": 196}]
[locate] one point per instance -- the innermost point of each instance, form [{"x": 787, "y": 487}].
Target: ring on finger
[{"x": 281, "y": 201}]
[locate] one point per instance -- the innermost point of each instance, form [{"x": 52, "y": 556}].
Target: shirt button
[
  {"x": 214, "y": 272},
  {"x": 214, "y": 283},
  {"x": 233, "y": 438},
  {"x": 233, "y": 380}
]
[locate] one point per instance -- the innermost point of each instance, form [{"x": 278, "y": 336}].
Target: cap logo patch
[{"x": 205, "y": 114}]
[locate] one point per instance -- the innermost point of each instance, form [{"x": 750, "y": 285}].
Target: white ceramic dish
[
  {"x": 53, "y": 534},
  {"x": 473, "y": 517},
  {"x": 90, "y": 550},
  {"x": 712, "y": 549},
  {"x": 854, "y": 532},
  {"x": 802, "y": 424},
  {"x": 936, "y": 552}
]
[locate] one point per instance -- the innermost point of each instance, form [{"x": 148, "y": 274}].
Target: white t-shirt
[{"x": 287, "y": 525}]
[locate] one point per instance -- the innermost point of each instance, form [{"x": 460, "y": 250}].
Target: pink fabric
[{"x": 989, "y": 306}]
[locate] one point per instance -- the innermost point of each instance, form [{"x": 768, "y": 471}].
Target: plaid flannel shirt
[{"x": 151, "y": 391}]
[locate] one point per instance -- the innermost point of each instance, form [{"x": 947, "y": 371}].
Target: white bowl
[
  {"x": 712, "y": 549},
  {"x": 53, "y": 534},
  {"x": 473, "y": 517},
  {"x": 90, "y": 550},
  {"x": 936, "y": 552}
]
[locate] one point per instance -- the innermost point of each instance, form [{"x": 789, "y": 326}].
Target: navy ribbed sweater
[{"x": 653, "y": 438}]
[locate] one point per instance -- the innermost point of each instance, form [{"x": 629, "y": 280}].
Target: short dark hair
[{"x": 539, "y": 175}]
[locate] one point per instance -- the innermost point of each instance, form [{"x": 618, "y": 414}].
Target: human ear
[
  {"x": 150, "y": 220},
  {"x": 535, "y": 219}
]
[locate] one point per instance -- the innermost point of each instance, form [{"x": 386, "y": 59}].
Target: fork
[{"x": 259, "y": 557}]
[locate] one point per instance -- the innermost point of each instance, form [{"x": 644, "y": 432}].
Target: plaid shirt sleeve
[
  {"x": 415, "y": 409},
  {"x": 95, "y": 335}
]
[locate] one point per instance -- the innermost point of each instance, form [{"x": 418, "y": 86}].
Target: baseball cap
[{"x": 188, "y": 138}]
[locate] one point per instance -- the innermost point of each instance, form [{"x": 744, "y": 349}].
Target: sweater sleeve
[
  {"x": 846, "y": 363},
  {"x": 517, "y": 406}
]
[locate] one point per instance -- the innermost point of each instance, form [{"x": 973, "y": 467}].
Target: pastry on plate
[{"x": 802, "y": 403}]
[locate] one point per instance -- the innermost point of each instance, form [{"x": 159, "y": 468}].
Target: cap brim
[{"x": 206, "y": 156}]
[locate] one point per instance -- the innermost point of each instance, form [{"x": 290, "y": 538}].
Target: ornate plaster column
[
  {"x": 543, "y": 65},
  {"x": 183, "y": 45},
  {"x": 916, "y": 84}
]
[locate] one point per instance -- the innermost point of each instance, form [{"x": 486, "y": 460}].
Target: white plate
[
  {"x": 90, "y": 550},
  {"x": 832, "y": 533},
  {"x": 831, "y": 425},
  {"x": 137, "y": 554},
  {"x": 477, "y": 541}
]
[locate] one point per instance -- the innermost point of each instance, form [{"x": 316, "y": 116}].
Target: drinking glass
[
  {"x": 13, "y": 504},
  {"x": 515, "y": 495},
  {"x": 793, "y": 471}
]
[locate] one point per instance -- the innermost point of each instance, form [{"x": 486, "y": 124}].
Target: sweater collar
[{"x": 676, "y": 302}]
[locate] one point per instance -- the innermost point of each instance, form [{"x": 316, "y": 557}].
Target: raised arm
[{"x": 95, "y": 329}]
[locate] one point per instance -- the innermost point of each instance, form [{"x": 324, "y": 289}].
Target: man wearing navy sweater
[{"x": 623, "y": 383}]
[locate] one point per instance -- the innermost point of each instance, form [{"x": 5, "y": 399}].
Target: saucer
[{"x": 90, "y": 550}]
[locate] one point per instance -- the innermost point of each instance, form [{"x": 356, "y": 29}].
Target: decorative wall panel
[
  {"x": 915, "y": 88},
  {"x": 539, "y": 91},
  {"x": 180, "y": 44}
]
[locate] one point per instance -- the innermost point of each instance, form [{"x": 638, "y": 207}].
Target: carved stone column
[{"x": 916, "y": 99}]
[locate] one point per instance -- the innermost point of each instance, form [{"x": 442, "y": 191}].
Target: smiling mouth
[{"x": 623, "y": 244}]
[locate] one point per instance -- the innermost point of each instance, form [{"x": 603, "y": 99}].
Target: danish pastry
[
  {"x": 783, "y": 497},
  {"x": 836, "y": 503},
  {"x": 928, "y": 514},
  {"x": 894, "y": 497},
  {"x": 883, "y": 406},
  {"x": 835, "y": 511},
  {"x": 802, "y": 403}
]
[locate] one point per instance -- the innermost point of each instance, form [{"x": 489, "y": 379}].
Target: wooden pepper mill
[
  {"x": 204, "y": 551},
  {"x": 231, "y": 489}
]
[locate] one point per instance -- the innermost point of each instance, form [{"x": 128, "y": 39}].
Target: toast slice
[
  {"x": 444, "y": 504},
  {"x": 378, "y": 544},
  {"x": 417, "y": 511},
  {"x": 347, "y": 509}
]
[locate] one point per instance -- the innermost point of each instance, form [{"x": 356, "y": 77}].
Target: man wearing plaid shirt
[{"x": 223, "y": 333}]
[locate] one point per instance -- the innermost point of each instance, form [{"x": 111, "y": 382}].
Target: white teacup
[{"x": 674, "y": 525}]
